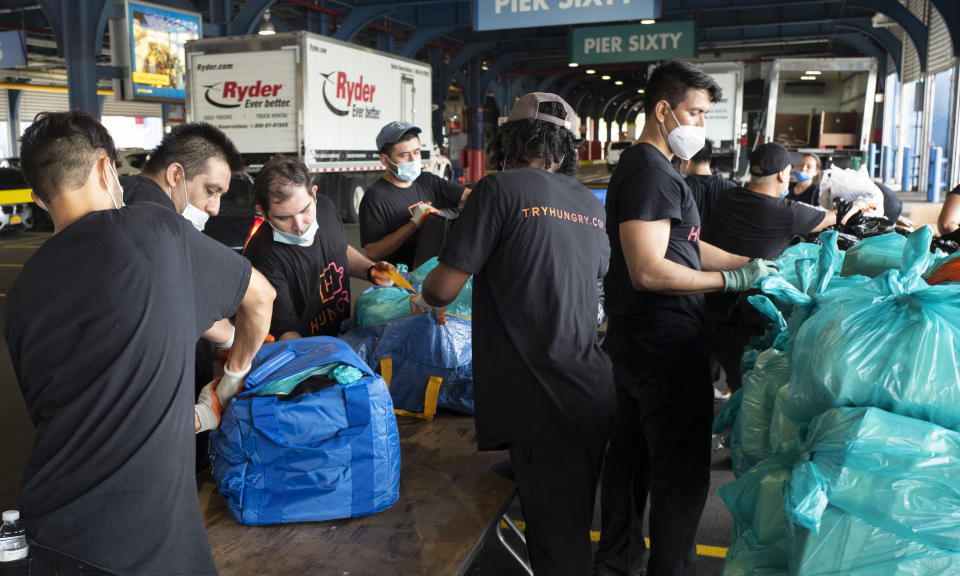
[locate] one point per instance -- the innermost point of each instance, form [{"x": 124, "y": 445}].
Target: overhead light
[
  {"x": 619, "y": 82},
  {"x": 591, "y": 71},
  {"x": 483, "y": 65},
  {"x": 266, "y": 27},
  {"x": 640, "y": 91},
  {"x": 573, "y": 64},
  {"x": 808, "y": 77},
  {"x": 648, "y": 21},
  {"x": 605, "y": 77},
  {"x": 813, "y": 72}
]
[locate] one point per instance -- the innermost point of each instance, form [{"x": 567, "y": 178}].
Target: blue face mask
[
  {"x": 802, "y": 176},
  {"x": 407, "y": 171},
  {"x": 293, "y": 239}
]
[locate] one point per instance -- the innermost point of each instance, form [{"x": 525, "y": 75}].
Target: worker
[
  {"x": 394, "y": 208},
  {"x": 303, "y": 252},
  {"x": 187, "y": 172},
  {"x": 949, "y": 220},
  {"x": 703, "y": 183},
  {"x": 100, "y": 325},
  {"x": 759, "y": 221},
  {"x": 659, "y": 271},
  {"x": 534, "y": 239},
  {"x": 806, "y": 188}
]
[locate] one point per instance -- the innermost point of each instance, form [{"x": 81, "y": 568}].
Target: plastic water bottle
[{"x": 13, "y": 538}]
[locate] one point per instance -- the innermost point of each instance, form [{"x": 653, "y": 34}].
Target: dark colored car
[{"x": 237, "y": 220}]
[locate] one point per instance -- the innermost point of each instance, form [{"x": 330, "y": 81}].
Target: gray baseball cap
[
  {"x": 528, "y": 108},
  {"x": 393, "y": 132}
]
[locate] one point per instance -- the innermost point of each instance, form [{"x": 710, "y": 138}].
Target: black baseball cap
[{"x": 770, "y": 158}]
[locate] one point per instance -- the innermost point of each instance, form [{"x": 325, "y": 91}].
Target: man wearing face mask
[
  {"x": 759, "y": 221},
  {"x": 101, "y": 325},
  {"x": 659, "y": 271},
  {"x": 393, "y": 209},
  {"x": 302, "y": 250},
  {"x": 188, "y": 172}
]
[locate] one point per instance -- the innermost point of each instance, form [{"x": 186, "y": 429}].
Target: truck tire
[{"x": 356, "y": 188}]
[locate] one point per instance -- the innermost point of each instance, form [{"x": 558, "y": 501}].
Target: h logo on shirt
[{"x": 694, "y": 235}]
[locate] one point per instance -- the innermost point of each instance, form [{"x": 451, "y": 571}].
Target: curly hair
[{"x": 517, "y": 141}]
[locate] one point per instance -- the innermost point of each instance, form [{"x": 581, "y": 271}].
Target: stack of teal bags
[{"x": 846, "y": 432}]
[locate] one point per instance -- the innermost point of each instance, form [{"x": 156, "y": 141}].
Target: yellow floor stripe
[
  {"x": 11, "y": 265},
  {"x": 702, "y": 549}
]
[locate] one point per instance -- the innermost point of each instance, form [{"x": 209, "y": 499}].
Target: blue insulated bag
[{"x": 298, "y": 445}]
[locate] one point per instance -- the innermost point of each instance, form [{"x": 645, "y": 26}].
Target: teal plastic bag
[
  {"x": 759, "y": 541},
  {"x": 849, "y": 546},
  {"x": 895, "y": 472},
  {"x": 382, "y": 304},
  {"x": 875, "y": 255},
  {"x": 760, "y": 386},
  {"x": 892, "y": 343}
]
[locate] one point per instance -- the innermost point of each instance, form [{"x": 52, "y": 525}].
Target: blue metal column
[
  {"x": 888, "y": 163},
  {"x": 906, "y": 172},
  {"x": 13, "y": 120},
  {"x": 872, "y": 159},
  {"x": 936, "y": 172},
  {"x": 78, "y": 27}
]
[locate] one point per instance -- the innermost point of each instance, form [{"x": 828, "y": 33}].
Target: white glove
[
  {"x": 215, "y": 397},
  {"x": 420, "y": 306},
  {"x": 420, "y": 211}
]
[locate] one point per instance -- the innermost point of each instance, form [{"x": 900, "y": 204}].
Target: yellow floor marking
[
  {"x": 11, "y": 265},
  {"x": 702, "y": 549}
]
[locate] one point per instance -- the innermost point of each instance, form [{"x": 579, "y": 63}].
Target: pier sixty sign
[
  {"x": 501, "y": 14},
  {"x": 633, "y": 42}
]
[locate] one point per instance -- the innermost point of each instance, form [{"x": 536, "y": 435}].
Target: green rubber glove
[{"x": 744, "y": 277}]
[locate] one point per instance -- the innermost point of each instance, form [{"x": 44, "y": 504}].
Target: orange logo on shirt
[{"x": 551, "y": 212}]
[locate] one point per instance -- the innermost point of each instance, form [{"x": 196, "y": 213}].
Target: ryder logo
[
  {"x": 232, "y": 94},
  {"x": 340, "y": 92}
]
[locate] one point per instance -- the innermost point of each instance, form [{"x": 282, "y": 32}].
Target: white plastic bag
[{"x": 848, "y": 185}]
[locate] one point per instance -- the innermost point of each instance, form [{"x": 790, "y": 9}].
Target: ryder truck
[{"x": 313, "y": 97}]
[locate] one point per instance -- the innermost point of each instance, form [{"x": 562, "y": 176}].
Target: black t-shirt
[
  {"x": 386, "y": 207},
  {"x": 645, "y": 186},
  {"x": 756, "y": 225},
  {"x": 312, "y": 282},
  {"x": 101, "y": 325},
  {"x": 535, "y": 242},
  {"x": 809, "y": 196},
  {"x": 705, "y": 191},
  {"x": 137, "y": 188}
]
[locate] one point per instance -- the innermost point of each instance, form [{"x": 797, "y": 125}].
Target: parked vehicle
[
  {"x": 17, "y": 211},
  {"x": 313, "y": 97},
  {"x": 613, "y": 153}
]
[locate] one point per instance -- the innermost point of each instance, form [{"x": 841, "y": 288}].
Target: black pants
[
  {"x": 46, "y": 562},
  {"x": 557, "y": 485},
  {"x": 730, "y": 322},
  {"x": 660, "y": 444}
]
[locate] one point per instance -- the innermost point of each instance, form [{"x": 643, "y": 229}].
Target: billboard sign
[
  {"x": 633, "y": 42},
  {"x": 157, "y": 36},
  {"x": 503, "y": 14}
]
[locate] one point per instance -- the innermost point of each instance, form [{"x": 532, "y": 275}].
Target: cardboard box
[
  {"x": 792, "y": 129},
  {"x": 836, "y": 140}
]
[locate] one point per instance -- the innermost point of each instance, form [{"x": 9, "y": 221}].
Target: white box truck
[{"x": 314, "y": 97}]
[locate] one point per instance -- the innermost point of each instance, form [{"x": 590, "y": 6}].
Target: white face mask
[
  {"x": 287, "y": 238},
  {"x": 684, "y": 140},
  {"x": 116, "y": 205},
  {"x": 196, "y": 216}
]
